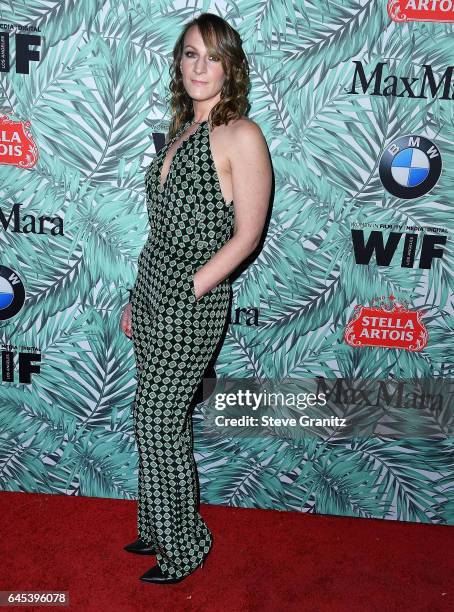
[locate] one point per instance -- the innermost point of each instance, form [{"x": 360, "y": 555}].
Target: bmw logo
[
  {"x": 410, "y": 167},
  {"x": 12, "y": 293}
]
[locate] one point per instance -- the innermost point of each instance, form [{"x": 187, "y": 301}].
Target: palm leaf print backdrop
[{"x": 97, "y": 101}]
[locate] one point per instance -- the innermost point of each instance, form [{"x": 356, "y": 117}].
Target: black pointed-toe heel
[
  {"x": 140, "y": 548},
  {"x": 156, "y": 575}
]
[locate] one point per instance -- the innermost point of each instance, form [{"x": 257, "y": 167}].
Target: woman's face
[{"x": 203, "y": 74}]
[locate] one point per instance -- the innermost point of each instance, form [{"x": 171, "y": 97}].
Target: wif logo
[
  {"x": 25, "y": 53},
  {"x": 385, "y": 251}
]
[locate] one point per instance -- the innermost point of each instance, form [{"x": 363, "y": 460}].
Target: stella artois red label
[
  {"x": 396, "y": 327},
  {"x": 421, "y": 10},
  {"x": 17, "y": 146}
]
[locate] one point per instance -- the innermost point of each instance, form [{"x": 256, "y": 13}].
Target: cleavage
[{"x": 162, "y": 183}]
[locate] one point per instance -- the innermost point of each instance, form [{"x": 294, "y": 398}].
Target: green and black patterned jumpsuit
[{"x": 174, "y": 336}]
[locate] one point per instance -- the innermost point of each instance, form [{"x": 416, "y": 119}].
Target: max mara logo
[
  {"x": 29, "y": 224},
  {"x": 381, "y": 84}
]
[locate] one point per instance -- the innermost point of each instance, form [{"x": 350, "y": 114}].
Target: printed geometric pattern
[{"x": 174, "y": 337}]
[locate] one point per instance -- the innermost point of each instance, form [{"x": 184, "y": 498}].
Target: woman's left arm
[{"x": 251, "y": 183}]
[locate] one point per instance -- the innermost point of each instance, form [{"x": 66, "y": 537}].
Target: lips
[{"x": 198, "y": 82}]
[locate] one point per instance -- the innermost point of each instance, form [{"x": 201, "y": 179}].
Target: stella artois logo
[
  {"x": 421, "y": 10},
  {"x": 388, "y": 324},
  {"x": 17, "y": 146}
]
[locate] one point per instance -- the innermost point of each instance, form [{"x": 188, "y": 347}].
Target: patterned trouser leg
[{"x": 172, "y": 353}]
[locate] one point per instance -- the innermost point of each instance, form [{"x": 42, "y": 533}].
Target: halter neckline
[
  {"x": 189, "y": 122},
  {"x": 182, "y": 144}
]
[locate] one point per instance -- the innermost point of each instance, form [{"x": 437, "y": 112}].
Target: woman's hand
[{"x": 125, "y": 322}]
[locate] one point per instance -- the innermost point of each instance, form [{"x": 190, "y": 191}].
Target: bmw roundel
[
  {"x": 12, "y": 293},
  {"x": 410, "y": 166}
]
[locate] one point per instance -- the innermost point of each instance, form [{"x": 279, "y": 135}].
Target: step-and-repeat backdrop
[{"x": 351, "y": 292}]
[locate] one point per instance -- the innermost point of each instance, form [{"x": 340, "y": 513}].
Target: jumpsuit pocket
[
  {"x": 194, "y": 309},
  {"x": 194, "y": 298}
]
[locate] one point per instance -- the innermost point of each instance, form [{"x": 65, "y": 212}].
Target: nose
[{"x": 200, "y": 66}]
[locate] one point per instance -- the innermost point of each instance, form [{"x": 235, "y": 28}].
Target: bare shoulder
[
  {"x": 240, "y": 135},
  {"x": 244, "y": 130}
]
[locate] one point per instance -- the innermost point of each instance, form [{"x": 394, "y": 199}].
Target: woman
[{"x": 208, "y": 192}]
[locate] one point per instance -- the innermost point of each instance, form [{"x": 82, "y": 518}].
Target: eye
[{"x": 213, "y": 57}]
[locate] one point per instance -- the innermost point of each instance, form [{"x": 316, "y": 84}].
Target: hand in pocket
[
  {"x": 193, "y": 288},
  {"x": 125, "y": 321}
]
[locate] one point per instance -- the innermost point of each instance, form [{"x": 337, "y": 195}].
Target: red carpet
[{"x": 261, "y": 560}]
